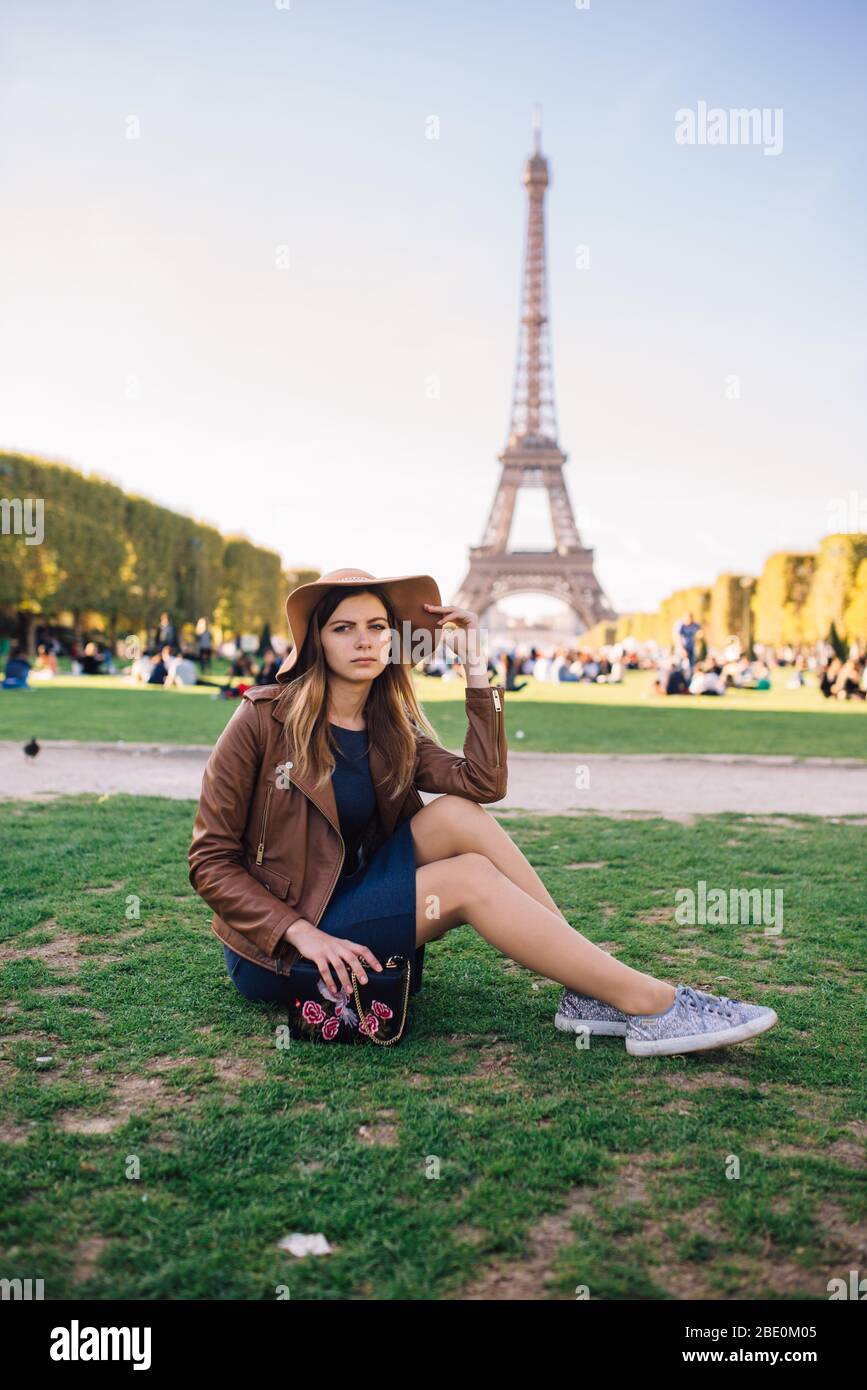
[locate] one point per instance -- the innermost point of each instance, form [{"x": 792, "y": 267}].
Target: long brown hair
[{"x": 392, "y": 711}]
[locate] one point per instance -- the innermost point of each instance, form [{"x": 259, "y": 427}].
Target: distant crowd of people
[
  {"x": 563, "y": 664},
  {"x": 677, "y": 671},
  {"x": 163, "y": 662}
]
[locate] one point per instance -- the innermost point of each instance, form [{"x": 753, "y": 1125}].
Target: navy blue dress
[{"x": 373, "y": 901}]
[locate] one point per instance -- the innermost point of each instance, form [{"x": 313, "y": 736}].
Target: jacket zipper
[
  {"x": 498, "y": 706},
  {"x": 334, "y": 879},
  {"x": 260, "y": 851}
]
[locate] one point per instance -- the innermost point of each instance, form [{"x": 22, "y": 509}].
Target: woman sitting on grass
[{"x": 341, "y": 696}]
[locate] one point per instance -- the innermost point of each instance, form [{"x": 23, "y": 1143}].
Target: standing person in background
[
  {"x": 688, "y": 631},
  {"x": 204, "y": 643},
  {"x": 166, "y": 634},
  {"x": 509, "y": 669}
]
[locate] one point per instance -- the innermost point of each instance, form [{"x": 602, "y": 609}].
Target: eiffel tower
[{"x": 532, "y": 457}]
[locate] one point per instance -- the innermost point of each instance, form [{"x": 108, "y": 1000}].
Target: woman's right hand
[{"x": 331, "y": 953}]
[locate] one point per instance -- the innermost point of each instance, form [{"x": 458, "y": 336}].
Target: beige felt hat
[{"x": 407, "y": 593}]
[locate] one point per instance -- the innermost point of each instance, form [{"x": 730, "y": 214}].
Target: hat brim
[{"x": 417, "y": 630}]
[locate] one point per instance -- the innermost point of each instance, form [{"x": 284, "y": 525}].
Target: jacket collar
[{"x": 323, "y": 797}]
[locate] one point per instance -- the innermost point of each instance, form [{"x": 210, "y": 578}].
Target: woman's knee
[
  {"x": 472, "y": 876},
  {"x": 448, "y": 888}
]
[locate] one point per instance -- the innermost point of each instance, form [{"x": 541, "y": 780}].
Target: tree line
[{"x": 110, "y": 562}]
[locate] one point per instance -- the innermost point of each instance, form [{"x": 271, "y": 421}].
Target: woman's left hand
[{"x": 464, "y": 639}]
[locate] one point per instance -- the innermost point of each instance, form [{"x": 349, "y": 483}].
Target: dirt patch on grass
[
  {"x": 494, "y": 1060},
  {"x": 525, "y": 1279},
  {"x": 850, "y": 1152},
  {"x": 86, "y": 1258},
  {"x": 11, "y": 1133},
  {"x": 232, "y": 1071},
  {"x": 378, "y": 1133},
  {"x": 808, "y": 1104},
  {"x": 60, "y": 953},
  {"x": 131, "y": 1095},
  {"x": 781, "y": 989},
  {"x": 111, "y": 888},
  {"x": 656, "y": 914},
  {"x": 630, "y": 1183},
  {"x": 754, "y": 946},
  {"x": 590, "y": 864},
  {"x": 697, "y": 1081},
  {"x": 469, "y": 1235}
]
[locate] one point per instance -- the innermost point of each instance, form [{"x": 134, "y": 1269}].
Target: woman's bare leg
[
  {"x": 453, "y": 825},
  {"x": 470, "y": 888}
]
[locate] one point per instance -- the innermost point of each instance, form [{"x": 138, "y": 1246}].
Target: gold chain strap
[{"x": 361, "y": 1011}]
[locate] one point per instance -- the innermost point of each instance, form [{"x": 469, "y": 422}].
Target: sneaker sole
[
  {"x": 603, "y": 1027},
  {"x": 702, "y": 1042}
]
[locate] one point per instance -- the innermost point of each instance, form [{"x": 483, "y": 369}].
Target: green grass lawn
[
  {"x": 543, "y": 718},
  {"x": 167, "y": 1143}
]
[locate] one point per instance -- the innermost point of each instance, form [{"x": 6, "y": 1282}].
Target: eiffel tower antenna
[
  {"x": 533, "y": 457},
  {"x": 533, "y": 411}
]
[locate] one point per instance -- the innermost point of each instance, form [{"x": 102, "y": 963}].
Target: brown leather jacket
[{"x": 266, "y": 846}]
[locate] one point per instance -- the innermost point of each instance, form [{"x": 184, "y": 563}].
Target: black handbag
[{"x": 375, "y": 1012}]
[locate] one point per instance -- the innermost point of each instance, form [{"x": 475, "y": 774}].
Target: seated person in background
[
  {"x": 181, "y": 671},
  {"x": 671, "y": 681},
  {"x": 614, "y": 674},
  {"x": 542, "y": 668},
  {"x": 91, "y": 661},
  {"x": 707, "y": 680},
  {"x": 762, "y": 674},
  {"x": 45, "y": 666},
  {"x": 242, "y": 670},
  {"x": 561, "y": 666},
  {"x": 591, "y": 668},
  {"x": 17, "y": 669},
  {"x": 797, "y": 678},
  {"x": 267, "y": 674},
  {"x": 847, "y": 685},
  {"x": 738, "y": 673},
  {"x": 830, "y": 673},
  {"x": 160, "y": 668}
]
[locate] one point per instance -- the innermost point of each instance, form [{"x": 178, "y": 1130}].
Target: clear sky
[{"x": 150, "y": 333}]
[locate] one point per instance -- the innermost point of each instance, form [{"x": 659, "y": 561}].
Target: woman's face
[{"x": 356, "y": 638}]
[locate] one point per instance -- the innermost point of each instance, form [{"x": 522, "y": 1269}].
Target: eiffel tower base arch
[{"x": 570, "y": 578}]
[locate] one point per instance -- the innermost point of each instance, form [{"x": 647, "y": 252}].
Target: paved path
[{"x": 670, "y": 785}]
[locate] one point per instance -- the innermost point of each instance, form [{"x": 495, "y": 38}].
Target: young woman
[{"x": 311, "y": 838}]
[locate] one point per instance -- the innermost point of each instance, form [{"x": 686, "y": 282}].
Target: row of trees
[
  {"x": 111, "y": 562},
  {"x": 798, "y": 599}
]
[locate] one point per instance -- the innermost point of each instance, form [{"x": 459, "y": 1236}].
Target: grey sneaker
[
  {"x": 577, "y": 1011},
  {"x": 696, "y": 1022}
]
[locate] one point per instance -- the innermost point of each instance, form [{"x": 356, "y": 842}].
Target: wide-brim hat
[{"x": 407, "y": 593}]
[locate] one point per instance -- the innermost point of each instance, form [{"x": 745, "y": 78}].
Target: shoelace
[{"x": 710, "y": 1003}]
